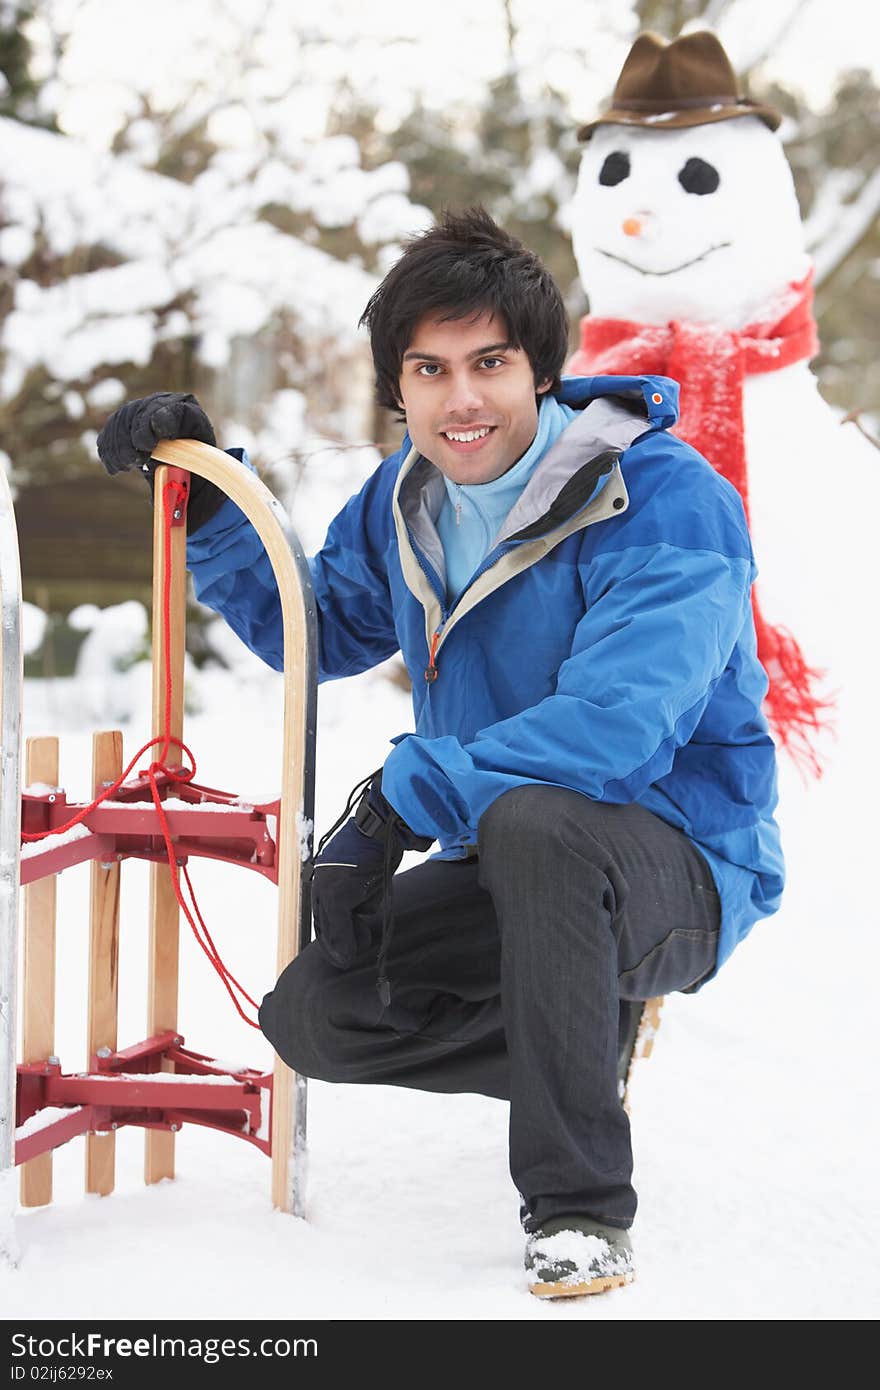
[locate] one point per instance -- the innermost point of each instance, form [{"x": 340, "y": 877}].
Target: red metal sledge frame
[
  {"x": 126, "y": 826},
  {"x": 123, "y": 1089},
  {"x": 119, "y": 1090}
]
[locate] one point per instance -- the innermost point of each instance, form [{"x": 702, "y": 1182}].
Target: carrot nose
[{"x": 632, "y": 226}]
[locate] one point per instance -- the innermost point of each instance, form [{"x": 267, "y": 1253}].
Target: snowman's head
[{"x": 699, "y": 223}]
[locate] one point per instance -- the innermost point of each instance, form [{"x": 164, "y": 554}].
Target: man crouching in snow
[{"x": 569, "y": 586}]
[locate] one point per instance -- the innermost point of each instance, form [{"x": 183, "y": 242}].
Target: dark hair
[{"x": 466, "y": 265}]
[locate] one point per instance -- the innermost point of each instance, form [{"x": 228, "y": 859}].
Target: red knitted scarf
[{"x": 711, "y": 364}]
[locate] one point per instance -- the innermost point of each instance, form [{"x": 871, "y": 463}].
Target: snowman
[{"x": 689, "y": 244}]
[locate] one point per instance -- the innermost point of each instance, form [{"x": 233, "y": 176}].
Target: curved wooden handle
[{"x": 296, "y": 822}]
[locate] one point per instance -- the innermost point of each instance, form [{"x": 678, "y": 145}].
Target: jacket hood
[{"x": 656, "y": 396}]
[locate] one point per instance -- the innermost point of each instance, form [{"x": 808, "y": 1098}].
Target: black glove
[
  {"x": 351, "y": 875},
  {"x": 348, "y": 879},
  {"x": 128, "y": 438}
]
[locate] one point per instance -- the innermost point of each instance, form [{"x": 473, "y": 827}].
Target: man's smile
[{"x": 468, "y": 441}]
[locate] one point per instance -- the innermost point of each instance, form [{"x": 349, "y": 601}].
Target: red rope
[{"x": 181, "y": 774}]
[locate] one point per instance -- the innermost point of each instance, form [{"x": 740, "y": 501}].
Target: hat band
[{"x": 679, "y": 103}]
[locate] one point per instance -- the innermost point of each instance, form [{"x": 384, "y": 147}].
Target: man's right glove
[
  {"x": 348, "y": 886},
  {"x": 129, "y": 436},
  {"x": 351, "y": 877}
]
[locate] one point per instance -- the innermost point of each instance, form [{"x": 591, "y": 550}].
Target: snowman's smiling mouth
[{"x": 721, "y": 246}]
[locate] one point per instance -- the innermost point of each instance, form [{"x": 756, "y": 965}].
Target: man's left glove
[
  {"x": 131, "y": 432},
  {"x": 351, "y": 876}
]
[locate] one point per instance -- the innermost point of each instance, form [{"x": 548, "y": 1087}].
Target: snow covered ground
[{"x": 754, "y": 1122}]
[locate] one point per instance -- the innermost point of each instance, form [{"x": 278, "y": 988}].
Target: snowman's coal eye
[
  {"x": 698, "y": 177},
  {"x": 615, "y": 169}
]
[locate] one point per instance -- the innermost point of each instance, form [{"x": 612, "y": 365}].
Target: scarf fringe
[{"x": 797, "y": 714}]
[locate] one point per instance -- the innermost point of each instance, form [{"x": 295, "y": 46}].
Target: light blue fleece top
[{"x": 472, "y": 514}]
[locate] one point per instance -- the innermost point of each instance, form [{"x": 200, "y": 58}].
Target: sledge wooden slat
[
  {"x": 103, "y": 963},
  {"x": 643, "y": 1044},
  {"x": 38, "y": 981},
  {"x": 296, "y": 771},
  {"x": 164, "y": 911}
]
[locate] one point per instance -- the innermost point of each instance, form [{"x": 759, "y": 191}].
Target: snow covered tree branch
[{"x": 850, "y": 224}]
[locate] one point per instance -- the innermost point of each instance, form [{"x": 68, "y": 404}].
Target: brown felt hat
[{"x": 687, "y": 82}]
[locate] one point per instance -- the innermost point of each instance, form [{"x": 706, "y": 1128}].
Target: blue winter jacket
[{"x": 605, "y": 644}]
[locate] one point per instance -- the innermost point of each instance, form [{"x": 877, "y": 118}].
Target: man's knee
[
  {"x": 295, "y": 1019},
  {"x": 528, "y": 819},
  {"x": 541, "y": 843},
  {"x": 513, "y": 820}
]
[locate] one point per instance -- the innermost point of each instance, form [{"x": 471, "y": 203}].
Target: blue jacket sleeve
[
  {"x": 661, "y": 624},
  {"x": 350, "y": 577},
  {"x": 232, "y": 575}
]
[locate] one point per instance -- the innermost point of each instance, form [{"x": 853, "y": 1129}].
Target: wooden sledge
[
  {"x": 38, "y": 1084},
  {"x": 639, "y": 1022}
]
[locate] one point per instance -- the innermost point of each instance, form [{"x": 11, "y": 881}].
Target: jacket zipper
[
  {"x": 434, "y": 581},
  {"x": 431, "y": 672}
]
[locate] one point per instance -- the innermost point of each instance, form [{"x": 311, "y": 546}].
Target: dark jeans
[{"x": 506, "y": 974}]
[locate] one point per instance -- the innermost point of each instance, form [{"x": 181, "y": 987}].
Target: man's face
[{"x": 462, "y": 378}]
